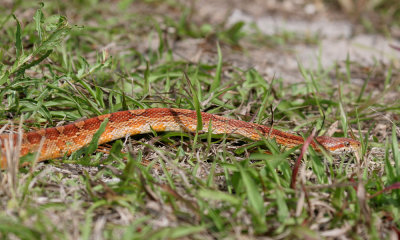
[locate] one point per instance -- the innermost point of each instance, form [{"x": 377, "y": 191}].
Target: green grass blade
[
  {"x": 18, "y": 39},
  {"x": 196, "y": 103},
  {"x": 219, "y": 196},
  {"x": 217, "y": 78},
  {"x": 38, "y": 17},
  {"x": 254, "y": 196}
]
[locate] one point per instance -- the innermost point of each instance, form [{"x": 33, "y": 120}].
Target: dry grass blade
[
  {"x": 386, "y": 189},
  {"x": 12, "y": 151},
  {"x": 304, "y": 148}
]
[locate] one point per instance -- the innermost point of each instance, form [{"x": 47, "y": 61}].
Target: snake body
[{"x": 64, "y": 140}]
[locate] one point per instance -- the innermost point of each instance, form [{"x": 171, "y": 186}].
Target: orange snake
[{"x": 63, "y": 140}]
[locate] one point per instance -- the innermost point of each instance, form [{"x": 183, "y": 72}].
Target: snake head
[{"x": 339, "y": 145}]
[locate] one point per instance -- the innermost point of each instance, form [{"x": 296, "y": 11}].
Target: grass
[
  {"x": 100, "y": 60},
  {"x": 374, "y": 16}
]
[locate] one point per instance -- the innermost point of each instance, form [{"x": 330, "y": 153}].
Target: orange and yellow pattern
[{"x": 64, "y": 140}]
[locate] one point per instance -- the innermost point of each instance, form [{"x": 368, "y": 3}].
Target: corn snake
[{"x": 63, "y": 140}]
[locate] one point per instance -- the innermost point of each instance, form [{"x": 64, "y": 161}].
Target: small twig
[
  {"x": 298, "y": 161},
  {"x": 391, "y": 187}
]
